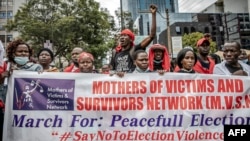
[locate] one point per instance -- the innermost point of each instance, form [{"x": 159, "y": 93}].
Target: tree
[
  {"x": 192, "y": 38},
  {"x": 67, "y": 24},
  {"x": 127, "y": 19}
]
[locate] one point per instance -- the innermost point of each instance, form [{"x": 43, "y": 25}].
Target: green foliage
[
  {"x": 192, "y": 38},
  {"x": 67, "y": 24},
  {"x": 127, "y": 20}
]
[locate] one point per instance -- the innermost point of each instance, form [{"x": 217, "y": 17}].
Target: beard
[{"x": 204, "y": 54}]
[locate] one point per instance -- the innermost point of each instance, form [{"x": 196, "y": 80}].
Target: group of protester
[{"x": 130, "y": 58}]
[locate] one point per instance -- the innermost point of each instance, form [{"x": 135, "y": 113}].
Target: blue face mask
[{"x": 21, "y": 60}]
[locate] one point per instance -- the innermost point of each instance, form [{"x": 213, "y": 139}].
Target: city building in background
[
  {"x": 233, "y": 22},
  {"x": 223, "y": 19},
  {"x": 139, "y": 10},
  {"x": 237, "y": 27},
  {"x": 8, "y": 8}
]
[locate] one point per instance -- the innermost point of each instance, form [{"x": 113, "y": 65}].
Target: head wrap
[
  {"x": 129, "y": 33},
  {"x": 165, "y": 59},
  {"x": 131, "y": 36},
  {"x": 86, "y": 54}
]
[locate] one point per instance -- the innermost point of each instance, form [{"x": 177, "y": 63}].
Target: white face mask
[
  {"x": 21, "y": 60},
  {"x": 244, "y": 61}
]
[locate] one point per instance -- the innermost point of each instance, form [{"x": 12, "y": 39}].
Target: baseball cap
[{"x": 201, "y": 41}]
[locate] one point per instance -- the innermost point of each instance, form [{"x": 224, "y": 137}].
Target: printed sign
[{"x": 99, "y": 107}]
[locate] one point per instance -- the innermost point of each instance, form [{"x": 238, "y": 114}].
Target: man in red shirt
[
  {"x": 74, "y": 56},
  {"x": 204, "y": 64}
]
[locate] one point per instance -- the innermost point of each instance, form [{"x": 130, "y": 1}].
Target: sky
[{"x": 111, "y": 5}]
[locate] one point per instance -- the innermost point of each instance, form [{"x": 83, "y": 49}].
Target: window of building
[
  {"x": 246, "y": 19},
  {"x": 3, "y": 15},
  {"x": 3, "y": 3},
  {"x": 242, "y": 26},
  {"x": 193, "y": 29},
  {"x": 206, "y": 29},
  {"x": 247, "y": 26},
  {"x": 2, "y": 26},
  {"x": 9, "y": 38},
  {"x": 9, "y": 2},
  {"x": 186, "y": 30},
  {"x": 178, "y": 30}
]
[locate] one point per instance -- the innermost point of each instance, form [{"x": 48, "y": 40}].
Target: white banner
[{"x": 98, "y": 107}]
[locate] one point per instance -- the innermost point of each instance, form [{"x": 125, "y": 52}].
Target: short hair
[
  {"x": 106, "y": 65},
  {"x": 135, "y": 54},
  {"x": 48, "y": 50},
  {"x": 207, "y": 35},
  {"x": 238, "y": 45},
  {"x": 182, "y": 54}
]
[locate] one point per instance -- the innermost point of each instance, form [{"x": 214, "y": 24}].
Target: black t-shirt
[
  {"x": 123, "y": 60},
  {"x": 158, "y": 66},
  {"x": 204, "y": 64}
]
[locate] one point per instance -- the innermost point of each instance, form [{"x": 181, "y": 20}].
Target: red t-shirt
[
  {"x": 70, "y": 69},
  {"x": 2, "y": 69}
]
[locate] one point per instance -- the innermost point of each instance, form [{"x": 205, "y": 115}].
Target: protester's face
[
  {"x": 188, "y": 60},
  {"x": 75, "y": 54},
  {"x": 142, "y": 61},
  {"x": 124, "y": 40},
  {"x": 44, "y": 57},
  {"x": 85, "y": 64},
  {"x": 22, "y": 51},
  {"x": 243, "y": 55},
  {"x": 158, "y": 54},
  {"x": 204, "y": 49},
  {"x": 105, "y": 69},
  {"x": 231, "y": 53}
]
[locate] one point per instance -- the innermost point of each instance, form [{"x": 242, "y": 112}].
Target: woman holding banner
[
  {"x": 18, "y": 54},
  {"x": 86, "y": 62},
  {"x": 159, "y": 58},
  {"x": 45, "y": 58},
  {"x": 186, "y": 59}
]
